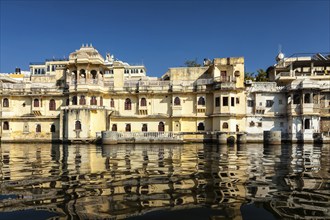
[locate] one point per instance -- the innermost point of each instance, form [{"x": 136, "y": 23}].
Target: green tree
[
  {"x": 261, "y": 76},
  {"x": 192, "y": 63},
  {"x": 249, "y": 76}
]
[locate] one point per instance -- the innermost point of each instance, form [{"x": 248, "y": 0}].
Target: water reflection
[{"x": 93, "y": 182}]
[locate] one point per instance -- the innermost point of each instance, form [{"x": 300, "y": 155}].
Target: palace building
[{"x": 84, "y": 96}]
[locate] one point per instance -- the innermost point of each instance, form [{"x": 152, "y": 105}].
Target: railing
[
  {"x": 278, "y": 75},
  {"x": 141, "y": 136},
  {"x": 225, "y": 79},
  {"x": 154, "y": 83},
  {"x": 203, "y": 82}
]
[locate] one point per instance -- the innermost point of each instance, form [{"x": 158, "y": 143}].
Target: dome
[
  {"x": 279, "y": 57},
  {"x": 86, "y": 52}
]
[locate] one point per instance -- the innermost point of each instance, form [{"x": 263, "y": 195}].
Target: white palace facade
[{"x": 87, "y": 97}]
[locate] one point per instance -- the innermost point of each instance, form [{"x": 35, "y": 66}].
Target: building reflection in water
[{"x": 90, "y": 182}]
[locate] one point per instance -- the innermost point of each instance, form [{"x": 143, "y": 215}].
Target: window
[
  {"x": 82, "y": 100},
  {"x": 201, "y": 101},
  {"x": 38, "y": 128},
  {"x": 128, "y": 128},
  {"x": 6, "y": 125},
  {"x": 101, "y": 101},
  {"x": 52, "y": 128},
  {"x": 128, "y": 104},
  {"x": 252, "y": 124},
  {"x": 281, "y": 124},
  {"x": 269, "y": 103},
  {"x": 74, "y": 100},
  {"x": 223, "y": 76},
  {"x": 143, "y": 102},
  {"x": 307, "y": 124},
  {"x": 93, "y": 100},
  {"x": 200, "y": 126},
  {"x": 112, "y": 103},
  {"x": 114, "y": 127},
  {"x": 52, "y": 105},
  {"x": 177, "y": 101},
  {"x": 36, "y": 103},
  {"x": 232, "y": 101},
  {"x": 77, "y": 125},
  {"x": 307, "y": 98},
  {"x": 225, "y": 101},
  {"x": 237, "y": 100},
  {"x": 225, "y": 125},
  {"x": 296, "y": 99},
  {"x": 250, "y": 103},
  {"x": 259, "y": 124},
  {"x": 217, "y": 101},
  {"x": 161, "y": 126},
  {"x": 144, "y": 127},
  {"x": 67, "y": 102},
  {"x": 280, "y": 102},
  {"x": 5, "y": 102},
  {"x": 260, "y": 103}
]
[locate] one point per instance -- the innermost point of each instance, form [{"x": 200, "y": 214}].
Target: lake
[{"x": 190, "y": 181}]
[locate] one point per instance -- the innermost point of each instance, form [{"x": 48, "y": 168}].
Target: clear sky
[{"x": 162, "y": 34}]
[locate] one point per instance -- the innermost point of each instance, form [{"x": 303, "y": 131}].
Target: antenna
[{"x": 279, "y": 48}]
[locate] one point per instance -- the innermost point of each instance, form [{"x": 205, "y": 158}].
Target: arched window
[
  {"x": 101, "y": 101},
  {"x": 112, "y": 103},
  {"x": 143, "y": 102},
  {"x": 307, "y": 98},
  {"x": 38, "y": 128},
  {"x": 144, "y": 127},
  {"x": 77, "y": 125},
  {"x": 161, "y": 126},
  {"x": 94, "y": 74},
  {"x": 128, "y": 104},
  {"x": 177, "y": 101},
  {"x": 307, "y": 124},
  {"x": 82, "y": 100},
  {"x": 225, "y": 125},
  {"x": 6, "y": 125},
  {"x": 52, "y": 128},
  {"x": 52, "y": 105},
  {"x": 67, "y": 102},
  {"x": 5, "y": 102},
  {"x": 201, "y": 101},
  {"x": 74, "y": 100},
  {"x": 128, "y": 128},
  {"x": 36, "y": 103},
  {"x": 93, "y": 100},
  {"x": 82, "y": 73},
  {"x": 201, "y": 126},
  {"x": 114, "y": 127}
]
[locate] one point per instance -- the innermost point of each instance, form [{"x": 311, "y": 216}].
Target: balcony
[
  {"x": 310, "y": 108},
  {"x": 201, "y": 108},
  {"x": 294, "y": 109},
  {"x": 224, "y": 79}
]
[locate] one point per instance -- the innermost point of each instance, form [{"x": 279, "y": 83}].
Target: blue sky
[{"x": 162, "y": 34}]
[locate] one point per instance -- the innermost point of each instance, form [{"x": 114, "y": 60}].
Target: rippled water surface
[{"x": 196, "y": 181}]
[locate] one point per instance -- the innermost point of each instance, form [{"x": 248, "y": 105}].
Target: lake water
[{"x": 194, "y": 181}]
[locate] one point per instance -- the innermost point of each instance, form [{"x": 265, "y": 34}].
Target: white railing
[
  {"x": 138, "y": 136},
  {"x": 154, "y": 83}
]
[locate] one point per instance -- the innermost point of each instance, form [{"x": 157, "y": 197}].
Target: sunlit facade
[{"x": 76, "y": 99}]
